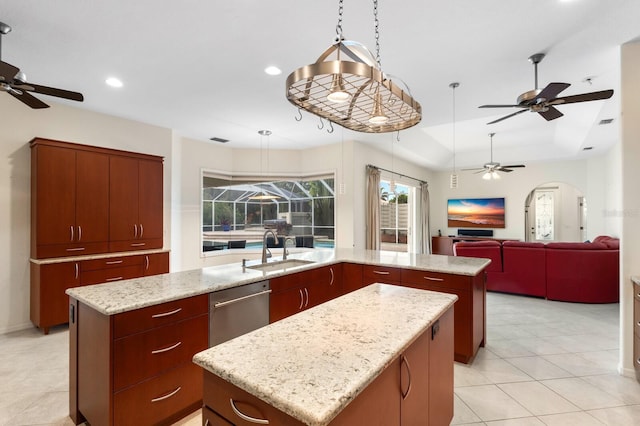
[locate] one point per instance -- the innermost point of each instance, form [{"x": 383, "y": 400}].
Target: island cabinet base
[
  {"x": 415, "y": 389},
  {"x": 134, "y": 368}
]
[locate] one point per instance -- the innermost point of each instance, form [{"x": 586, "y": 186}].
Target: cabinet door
[
  {"x": 123, "y": 194},
  {"x": 156, "y": 264},
  {"x": 286, "y": 303},
  {"x": 351, "y": 277},
  {"x": 414, "y": 382},
  {"x": 92, "y": 197},
  {"x": 55, "y": 191},
  {"x": 49, "y": 303},
  {"x": 441, "y": 370},
  {"x": 150, "y": 210}
]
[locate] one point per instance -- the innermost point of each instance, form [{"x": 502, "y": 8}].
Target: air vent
[
  {"x": 606, "y": 121},
  {"x": 587, "y": 148},
  {"x": 215, "y": 139}
]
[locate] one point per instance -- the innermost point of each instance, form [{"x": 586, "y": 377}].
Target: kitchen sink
[{"x": 280, "y": 265}]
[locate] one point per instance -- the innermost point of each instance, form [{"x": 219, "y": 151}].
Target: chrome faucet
[
  {"x": 285, "y": 252},
  {"x": 264, "y": 244}
]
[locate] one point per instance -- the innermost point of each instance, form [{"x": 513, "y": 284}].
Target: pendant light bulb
[
  {"x": 338, "y": 94},
  {"x": 377, "y": 116}
]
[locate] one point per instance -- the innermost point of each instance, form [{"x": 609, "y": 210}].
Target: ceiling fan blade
[
  {"x": 552, "y": 90},
  {"x": 503, "y": 169},
  {"x": 28, "y": 99},
  {"x": 514, "y": 166},
  {"x": 585, "y": 97},
  {"x": 498, "y": 106},
  {"x": 508, "y": 116},
  {"x": 551, "y": 113},
  {"x": 471, "y": 170},
  {"x": 60, "y": 93},
  {"x": 8, "y": 71}
]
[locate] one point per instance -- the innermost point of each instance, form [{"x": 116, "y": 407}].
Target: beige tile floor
[{"x": 545, "y": 363}]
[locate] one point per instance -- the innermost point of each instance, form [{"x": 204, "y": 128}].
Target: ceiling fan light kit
[
  {"x": 543, "y": 101},
  {"x": 14, "y": 82},
  {"x": 492, "y": 168},
  {"x": 346, "y": 86}
]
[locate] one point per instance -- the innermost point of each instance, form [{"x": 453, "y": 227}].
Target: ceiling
[{"x": 197, "y": 67}]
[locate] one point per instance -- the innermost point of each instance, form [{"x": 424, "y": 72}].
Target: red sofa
[
  {"x": 583, "y": 272},
  {"x": 570, "y": 272}
]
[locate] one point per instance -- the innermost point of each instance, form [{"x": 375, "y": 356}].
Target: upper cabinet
[
  {"x": 70, "y": 200},
  {"x": 135, "y": 191},
  {"x": 88, "y": 200}
]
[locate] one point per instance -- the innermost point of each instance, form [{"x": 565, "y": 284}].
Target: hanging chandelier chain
[
  {"x": 339, "y": 25},
  {"x": 377, "y": 32}
]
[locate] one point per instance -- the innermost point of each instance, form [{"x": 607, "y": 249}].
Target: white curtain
[
  {"x": 373, "y": 209},
  {"x": 425, "y": 233}
]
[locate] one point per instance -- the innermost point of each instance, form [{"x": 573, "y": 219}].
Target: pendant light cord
[
  {"x": 376, "y": 24},
  {"x": 339, "y": 25}
]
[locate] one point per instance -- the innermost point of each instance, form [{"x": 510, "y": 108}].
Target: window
[
  {"x": 394, "y": 216},
  {"x": 241, "y": 208}
]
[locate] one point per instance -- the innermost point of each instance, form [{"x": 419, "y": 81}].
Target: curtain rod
[{"x": 397, "y": 174}]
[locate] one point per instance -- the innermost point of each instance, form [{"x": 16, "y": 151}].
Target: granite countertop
[
  {"x": 96, "y": 256},
  {"x": 122, "y": 296},
  {"x": 312, "y": 364}
]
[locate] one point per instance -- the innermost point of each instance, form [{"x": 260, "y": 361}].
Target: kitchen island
[
  {"x": 332, "y": 364},
  {"x": 131, "y": 342}
]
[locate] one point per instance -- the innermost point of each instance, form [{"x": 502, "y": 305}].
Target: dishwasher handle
[{"x": 239, "y": 299}]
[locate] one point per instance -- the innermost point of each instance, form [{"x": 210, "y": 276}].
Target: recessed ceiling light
[
  {"x": 271, "y": 70},
  {"x": 113, "y": 82}
]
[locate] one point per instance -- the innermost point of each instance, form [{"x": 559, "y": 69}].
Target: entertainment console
[{"x": 444, "y": 245}]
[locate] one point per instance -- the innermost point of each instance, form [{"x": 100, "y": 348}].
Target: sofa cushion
[
  {"x": 482, "y": 249},
  {"x": 523, "y": 244},
  {"x": 577, "y": 246}
]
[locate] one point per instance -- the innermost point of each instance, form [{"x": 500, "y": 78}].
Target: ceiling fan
[
  {"x": 14, "y": 82},
  {"x": 491, "y": 168},
  {"x": 543, "y": 101}
]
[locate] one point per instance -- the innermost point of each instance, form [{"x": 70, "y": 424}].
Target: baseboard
[
  {"x": 628, "y": 372},
  {"x": 14, "y": 328}
]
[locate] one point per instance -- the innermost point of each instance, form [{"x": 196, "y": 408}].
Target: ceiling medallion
[{"x": 346, "y": 86}]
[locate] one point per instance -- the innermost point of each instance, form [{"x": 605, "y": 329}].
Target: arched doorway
[{"x": 555, "y": 211}]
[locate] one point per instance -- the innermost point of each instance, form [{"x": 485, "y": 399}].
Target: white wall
[
  {"x": 629, "y": 212},
  {"x": 515, "y": 187},
  {"x": 20, "y": 124}
]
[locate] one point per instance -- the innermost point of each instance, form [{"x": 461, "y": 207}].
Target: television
[{"x": 475, "y": 213}]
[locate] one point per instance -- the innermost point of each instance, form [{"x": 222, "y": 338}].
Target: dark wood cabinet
[
  {"x": 296, "y": 292},
  {"x": 351, "y": 277},
  {"x": 81, "y": 198},
  {"x": 49, "y": 305},
  {"x": 470, "y": 308},
  {"x": 135, "y": 209},
  {"x": 70, "y": 200},
  {"x": 416, "y": 388},
  {"x": 135, "y": 367},
  {"x": 380, "y": 274}
]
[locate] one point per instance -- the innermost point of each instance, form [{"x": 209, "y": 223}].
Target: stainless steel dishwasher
[{"x": 236, "y": 311}]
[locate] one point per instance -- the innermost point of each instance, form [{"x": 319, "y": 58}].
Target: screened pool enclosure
[{"x": 237, "y": 207}]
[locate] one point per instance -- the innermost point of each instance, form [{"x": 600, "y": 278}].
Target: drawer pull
[
  {"x": 382, "y": 272},
  {"x": 166, "y": 314},
  {"x": 245, "y": 417},
  {"x": 114, "y": 262},
  {"x": 114, "y": 279},
  {"x": 433, "y": 279},
  {"x": 138, "y": 244},
  {"x": 406, "y": 362},
  {"x": 332, "y": 276},
  {"x": 169, "y": 395},
  {"x": 159, "y": 351},
  {"x": 76, "y": 249}
]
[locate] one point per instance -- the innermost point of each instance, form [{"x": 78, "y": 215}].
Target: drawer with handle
[
  {"x": 110, "y": 275},
  {"x": 153, "y": 401},
  {"x": 110, "y": 262},
  {"x": 380, "y": 274},
  {"x": 139, "y": 320},
  {"x": 416, "y": 278},
  {"x": 157, "y": 350}
]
